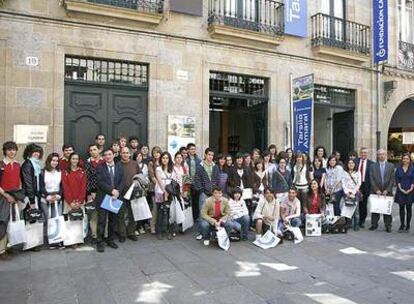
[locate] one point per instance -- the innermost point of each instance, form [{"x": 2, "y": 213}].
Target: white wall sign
[
  {"x": 32, "y": 61},
  {"x": 182, "y": 75},
  {"x": 24, "y": 134},
  {"x": 181, "y": 131},
  {"x": 408, "y": 138}
]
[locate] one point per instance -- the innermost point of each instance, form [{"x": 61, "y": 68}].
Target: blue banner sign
[
  {"x": 380, "y": 30},
  {"x": 302, "y": 112},
  {"x": 296, "y": 18}
]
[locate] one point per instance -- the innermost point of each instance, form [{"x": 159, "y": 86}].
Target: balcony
[
  {"x": 258, "y": 21},
  {"x": 340, "y": 38},
  {"x": 145, "y": 11},
  {"x": 406, "y": 56}
]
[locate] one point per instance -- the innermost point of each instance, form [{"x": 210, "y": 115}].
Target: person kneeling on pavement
[
  {"x": 266, "y": 214},
  {"x": 214, "y": 215},
  {"x": 239, "y": 214},
  {"x": 290, "y": 210}
]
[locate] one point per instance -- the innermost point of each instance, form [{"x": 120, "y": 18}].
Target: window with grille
[
  {"x": 237, "y": 84},
  {"x": 106, "y": 71},
  {"x": 406, "y": 20}
]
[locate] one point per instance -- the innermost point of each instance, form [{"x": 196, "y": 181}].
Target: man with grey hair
[
  {"x": 382, "y": 179},
  {"x": 364, "y": 166}
]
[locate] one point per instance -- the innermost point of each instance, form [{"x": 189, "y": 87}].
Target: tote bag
[
  {"x": 55, "y": 226},
  {"x": 74, "y": 233},
  {"x": 267, "y": 240},
  {"x": 16, "y": 230},
  {"x": 176, "y": 212},
  {"x": 188, "y": 218},
  {"x": 223, "y": 239},
  {"x": 380, "y": 204},
  {"x": 140, "y": 209}
]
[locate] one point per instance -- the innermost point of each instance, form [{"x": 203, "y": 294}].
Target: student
[
  {"x": 273, "y": 153},
  {"x": 318, "y": 172},
  {"x": 290, "y": 159},
  {"x": 239, "y": 219},
  {"x": 333, "y": 183},
  {"x": 122, "y": 141},
  {"x": 51, "y": 191},
  {"x": 214, "y": 215},
  {"x": 9, "y": 181},
  {"x": 268, "y": 165},
  {"x": 223, "y": 175},
  {"x": 404, "y": 177},
  {"x": 110, "y": 182},
  {"x": 255, "y": 155},
  {"x": 301, "y": 176},
  {"x": 290, "y": 210},
  {"x": 267, "y": 213},
  {"x": 67, "y": 150},
  {"x": 100, "y": 142},
  {"x": 142, "y": 166},
  {"x": 315, "y": 200},
  {"x": 351, "y": 183},
  {"x": 163, "y": 174},
  {"x": 130, "y": 168},
  {"x": 116, "y": 148},
  {"x": 180, "y": 172},
  {"x": 30, "y": 173},
  {"x": 281, "y": 179},
  {"x": 133, "y": 145},
  {"x": 193, "y": 161},
  {"x": 152, "y": 166},
  {"x": 320, "y": 153},
  {"x": 146, "y": 158},
  {"x": 260, "y": 177}
]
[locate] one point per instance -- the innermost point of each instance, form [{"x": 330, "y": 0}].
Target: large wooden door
[
  {"x": 111, "y": 110},
  {"x": 343, "y": 132}
]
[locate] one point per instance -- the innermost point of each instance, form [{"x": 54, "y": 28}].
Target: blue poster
[
  {"x": 302, "y": 113},
  {"x": 380, "y": 30},
  {"x": 296, "y": 18},
  {"x": 302, "y": 124}
]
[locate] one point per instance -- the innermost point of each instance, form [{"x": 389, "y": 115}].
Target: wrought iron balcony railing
[
  {"x": 264, "y": 16},
  {"x": 340, "y": 33},
  {"x": 406, "y": 55},
  {"x": 150, "y": 6}
]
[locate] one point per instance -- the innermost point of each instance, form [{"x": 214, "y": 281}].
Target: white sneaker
[
  {"x": 206, "y": 242},
  {"x": 199, "y": 237}
]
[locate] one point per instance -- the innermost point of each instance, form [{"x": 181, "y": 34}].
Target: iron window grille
[
  {"x": 265, "y": 16},
  {"x": 106, "y": 71},
  {"x": 406, "y": 56},
  {"x": 151, "y": 6},
  {"x": 340, "y": 33},
  {"x": 334, "y": 96},
  {"x": 234, "y": 84}
]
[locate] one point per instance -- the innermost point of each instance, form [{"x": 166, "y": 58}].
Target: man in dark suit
[
  {"x": 382, "y": 178},
  {"x": 109, "y": 182},
  {"x": 364, "y": 165}
]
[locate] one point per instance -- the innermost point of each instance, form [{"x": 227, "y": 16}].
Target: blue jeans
[
  {"x": 337, "y": 203},
  {"x": 240, "y": 224},
  {"x": 201, "y": 200},
  {"x": 206, "y": 228},
  {"x": 294, "y": 222}
]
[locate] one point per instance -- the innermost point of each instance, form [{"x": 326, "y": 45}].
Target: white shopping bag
[
  {"x": 16, "y": 230},
  {"x": 223, "y": 239},
  {"x": 128, "y": 194},
  {"x": 330, "y": 214},
  {"x": 55, "y": 226},
  {"x": 348, "y": 211},
  {"x": 247, "y": 194},
  {"x": 34, "y": 233},
  {"x": 140, "y": 209},
  {"x": 74, "y": 232},
  {"x": 176, "y": 212},
  {"x": 297, "y": 233},
  {"x": 267, "y": 240},
  {"x": 380, "y": 204},
  {"x": 188, "y": 218},
  {"x": 313, "y": 226}
]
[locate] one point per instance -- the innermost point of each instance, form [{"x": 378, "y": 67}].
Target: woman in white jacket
[
  {"x": 267, "y": 213},
  {"x": 351, "y": 183}
]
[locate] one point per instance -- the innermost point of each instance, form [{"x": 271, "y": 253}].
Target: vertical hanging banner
[
  {"x": 296, "y": 18},
  {"x": 380, "y": 30},
  {"x": 302, "y": 112}
]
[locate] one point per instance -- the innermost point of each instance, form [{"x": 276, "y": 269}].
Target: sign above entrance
[
  {"x": 181, "y": 131},
  {"x": 296, "y": 18},
  {"x": 24, "y": 134},
  {"x": 408, "y": 138},
  {"x": 302, "y": 112}
]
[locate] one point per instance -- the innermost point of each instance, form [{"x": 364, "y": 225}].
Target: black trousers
[
  {"x": 125, "y": 214},
  {"x": 363, "y": 212},
  {"x": 194, "y": 203},
  {"x": 375, "y": 219},
  {"x": 105, "y": 216}
]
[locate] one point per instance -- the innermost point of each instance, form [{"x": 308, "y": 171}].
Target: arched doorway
[{"x": 401, "y": 131}]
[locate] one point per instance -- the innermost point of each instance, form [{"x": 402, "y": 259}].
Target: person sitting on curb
[
  {"x": 214, "y": 215},
  {"x": 290, "y": 210},
  {"x": 239, "y": 214},
  {"x": 266, "y": 214}
]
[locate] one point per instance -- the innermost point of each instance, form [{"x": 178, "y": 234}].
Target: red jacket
[
  {"x": 74, "y": 185},
  {"x": 64, "y": 164}
]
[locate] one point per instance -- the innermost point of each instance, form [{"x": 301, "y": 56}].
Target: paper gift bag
[
  {"x": 188, "y": 218},
  {"x": 313, "y": 225},
  {"x": 176, "y": 212},
  {"x": 55, "y": 226},
  {"x": 348, "y": 211},
  {"x": 74, "y": 233},
  {"x": 267, "y": 240},
  {"x": 34, "y": 233},
  {"x": 223, "y": 239},
  {"x": 112, "y": 205},
  {"x": 140, "y": 209},
  {"x": 380, "y": 204},
  {"x": 16, "y": 229}
]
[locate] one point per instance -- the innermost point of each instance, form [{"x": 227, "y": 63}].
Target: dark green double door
[{"x": 110, "y": 110}]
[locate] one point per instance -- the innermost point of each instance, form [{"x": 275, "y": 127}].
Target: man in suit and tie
[
  {"x": 364, "y": 165},
  {"x": 109, "y": 178},
  {"x": 382, "y": 177}
]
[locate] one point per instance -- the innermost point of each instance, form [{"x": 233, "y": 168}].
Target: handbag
[
  {"x": 16, "y": 229},
  {"x": 33, "y": 215},
  {"x": 55, "y": 226}
]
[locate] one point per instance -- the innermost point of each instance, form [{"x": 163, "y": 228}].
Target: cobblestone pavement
[{"x": 359, "y": 267}]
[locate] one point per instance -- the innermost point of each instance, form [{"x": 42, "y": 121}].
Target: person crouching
[{"x": 239, "y": 214}]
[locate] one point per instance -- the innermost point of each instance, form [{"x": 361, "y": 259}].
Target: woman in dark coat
[
  {"x": 404, "y": 177},
  {"x": 30, "y": 173}
]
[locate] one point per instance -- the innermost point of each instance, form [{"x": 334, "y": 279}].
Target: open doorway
[{"x": 238, "y": 113}]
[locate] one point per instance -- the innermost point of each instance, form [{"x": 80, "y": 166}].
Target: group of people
[{"x": 252, "y": 191}]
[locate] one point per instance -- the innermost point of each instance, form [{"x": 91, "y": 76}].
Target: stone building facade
[{"x": 179, "y": 49}]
